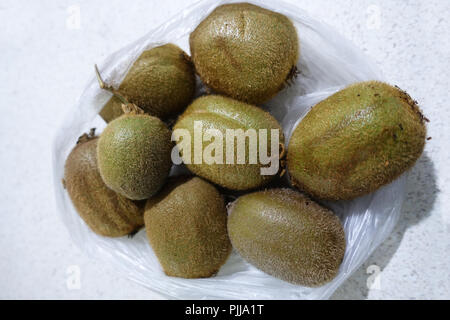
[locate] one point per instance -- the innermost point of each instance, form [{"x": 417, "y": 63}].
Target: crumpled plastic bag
[{"x": 327, "y": 63}]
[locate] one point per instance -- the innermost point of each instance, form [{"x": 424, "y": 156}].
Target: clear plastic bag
[{"x": 327, "y": 63}]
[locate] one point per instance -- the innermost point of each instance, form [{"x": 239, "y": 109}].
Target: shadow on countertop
[{"x": 421, "y": 194}]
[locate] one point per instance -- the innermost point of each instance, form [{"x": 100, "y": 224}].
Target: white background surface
[{"x": 45, "y": 62}]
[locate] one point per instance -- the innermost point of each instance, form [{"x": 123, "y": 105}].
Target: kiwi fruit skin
[
  {"x": 104, "y": 211},
  {"x": 245, "y": 52},
  {"x": 222, "y": 113},
  {"x": 161, "y": 82},
  {"x": 186, "y": 226},
  {"x": 134, "y": 155},
  {"x": 356, "y": 141},
  {"x": 287, "y": 235}
]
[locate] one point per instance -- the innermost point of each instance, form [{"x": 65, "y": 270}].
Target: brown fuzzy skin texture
[
  {"x": 134, "y": 155},
  {"x": 161, "y": 82},
  {"x": 356, "y": 141},
  {"x": 245, "y": 51},
  {"x": 221, "y": 113},
  {"x": 186, "y": 226},
  {"x": 288, "y": 236},
  {"x": 104, "y": 211}
]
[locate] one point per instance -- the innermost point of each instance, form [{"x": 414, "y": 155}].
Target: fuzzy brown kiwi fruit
[
  {"x": 245, "y": 52},
  {"x": 104, "y": 211},
  {"x": 229, "y": 115},
  {"x": 355, "y": 141},
  {"x": 161, "y": 82},
  {"x": 186, "y": 226},
  {"x": 287, "y": 235}
]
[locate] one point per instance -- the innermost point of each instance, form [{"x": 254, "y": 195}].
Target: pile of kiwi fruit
[{"x": 348, "y": 145}]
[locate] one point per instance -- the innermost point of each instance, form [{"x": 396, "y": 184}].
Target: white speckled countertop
[{"x": 46, "y": 57}]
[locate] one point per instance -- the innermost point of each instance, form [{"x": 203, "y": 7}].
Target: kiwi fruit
[
  {"x": 245, "y": 52},
  {"x": 134, "y": 155},
  {"x": 356, "y": 141},
  {"x": 161, "y": 82},
  {"x": 222, "y": 113},
  {"x": 287, "y": 235},
  {"x": 104, "y": 211},
  {"x": 186, "y": 226}
]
